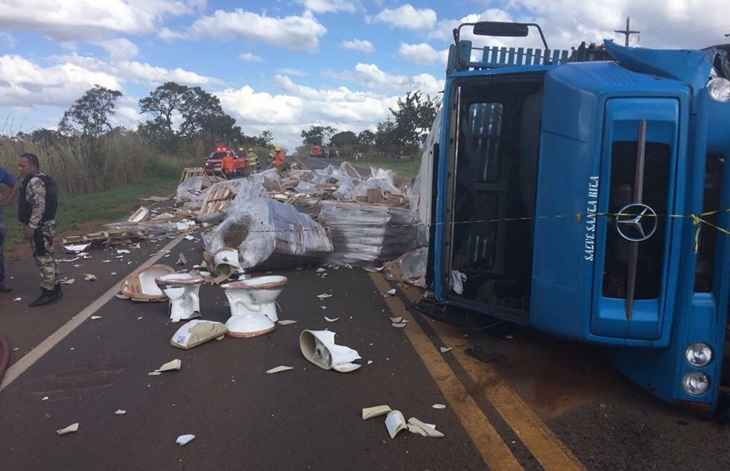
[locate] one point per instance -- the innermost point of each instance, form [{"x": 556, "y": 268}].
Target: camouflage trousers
[{"x": 42, "y": 244}]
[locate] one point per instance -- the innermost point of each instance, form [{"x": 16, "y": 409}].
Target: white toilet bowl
[
  {"x": 253, "y": 305},
  {"x": 182, "y": 289}
]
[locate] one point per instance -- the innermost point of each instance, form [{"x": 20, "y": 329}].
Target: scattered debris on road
[
  {"x": 279, "y": 369},
  {"x": 183, "y": 440},
  {"x": 331, "y": 319},
  {"x": 120, "y": 412},
  {"x": 89, "y": 277},
  {"x": 318, "y": 346},
  {"x": 439, "y": 406},
  {"x": 395, "y": 423},
  {"x": 197, "y": 332},
  {"x": 286, "y": 322},
  {"x": 375, "y": 411},
  {"x": 172, "y": 365},
  {"x": 73, "y": 428}
]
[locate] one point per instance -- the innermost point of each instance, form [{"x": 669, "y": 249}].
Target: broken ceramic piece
[
  {"x": 439, "y": 406},
  {"x": 140, "y": 215},
  {"x": 399, "y": 325},
  {"x": 331, "y": 319},
  {"x": 123, "y": 251},
  {"x": 96, "y": 318},
  {"x": 446, "y": 349},
  {"x": 183, "y": 440},
  {"x": 73, "y": 428},
  {"x": 422, "y": 428},
  {"x": 395, "y": 423},
  {"x": 173, "y": 365},
  {"x": 142, "y": 286},
  {"x": 375, "y": 411},
  {"x": 279, "y": 369},
  {"x": 320, "y": 270},
  {"x": 197, "y": 332},
  {"x": 391, "y": 292},
  {"x": 76, "y": 248},
  {"x": 318, "y": 346},
  {"x": 286, "y": 322},
  {"x": 324, "y": 296},
  {"x": 396, "y": 320},
  {"x": 120, "y": 412},
  {"x": 89, "y": 277}
]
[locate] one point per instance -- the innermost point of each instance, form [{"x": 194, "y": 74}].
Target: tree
[
  {"x": 344, "y": 139},
  {"x": 317, "y": 135},
  {"x": 366, "y": 138},
  {"x": 181, "y": 112},
  {"x": 265, "y": 138},
  {"x": 413, "y": 118},
  {"x": 90, "y": 115}
]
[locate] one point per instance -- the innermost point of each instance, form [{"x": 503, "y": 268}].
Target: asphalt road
[{"x": 309, "y": 418}]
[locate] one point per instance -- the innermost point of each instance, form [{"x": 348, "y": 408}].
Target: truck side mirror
[{"x": 500, "y": 28}]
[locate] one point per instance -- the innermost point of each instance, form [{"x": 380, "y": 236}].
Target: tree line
[{"x": 401, "y": 134}]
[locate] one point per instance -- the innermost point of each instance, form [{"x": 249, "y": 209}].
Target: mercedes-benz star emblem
[{"x": 636, "y": 222}]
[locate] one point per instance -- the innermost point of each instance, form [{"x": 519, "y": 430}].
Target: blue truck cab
[{"x": 585, "y": 194}]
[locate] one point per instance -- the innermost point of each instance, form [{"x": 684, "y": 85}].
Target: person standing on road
[
  {"x": 253, "y": 160},
  {"x": 7, "y": 183},
  {"x": 37, "y": 204}
]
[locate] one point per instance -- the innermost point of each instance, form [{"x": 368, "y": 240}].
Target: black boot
[{"x": 47, "y": 296}]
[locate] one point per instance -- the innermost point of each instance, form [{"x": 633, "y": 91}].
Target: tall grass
[{"x": 83, "y": 166}]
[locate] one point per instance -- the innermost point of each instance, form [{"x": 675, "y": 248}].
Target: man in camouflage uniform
[{"x": 37, "y": 203}]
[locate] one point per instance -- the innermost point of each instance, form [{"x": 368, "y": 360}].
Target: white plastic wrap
[
  {"x": 410, "y": 267},
  {"x": 190, "y": 189},
  {"x": 260, "y": 227},
  {"x": 364, "y": 233}
]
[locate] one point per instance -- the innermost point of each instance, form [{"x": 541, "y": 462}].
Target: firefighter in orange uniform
[{"x": 229, "y": 165}]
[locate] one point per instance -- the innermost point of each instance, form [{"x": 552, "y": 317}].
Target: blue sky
[{"x": 288, "y": 64}]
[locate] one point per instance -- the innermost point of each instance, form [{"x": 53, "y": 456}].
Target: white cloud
[
  {"x": 90, "y": 19},
  {"x": 422, "y": 53},
  {"x": 299, "y": 107},
  {"x": 328, "y": 6},
  {"x": 361, "y": 45},
  {"x": 251, "y": 107},
  {"x": 249, "y": 57},
  {"x": 150, "y": 74},
  {"x": 373, "y": 77},
  {"x": 168, "y": 35},
  {"x": 119, "y": 49},
  {"x": 23, "y": 83},
  {"x": 408, "y": 17},
  {"x": 292, "y": 32},
  {"x": 138, "y": 72}
]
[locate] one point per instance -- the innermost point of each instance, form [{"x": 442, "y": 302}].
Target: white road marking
[{"x": 40, "y": 350}]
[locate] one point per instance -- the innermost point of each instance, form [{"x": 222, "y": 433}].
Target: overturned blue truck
[{"x": 586, "y": 194}]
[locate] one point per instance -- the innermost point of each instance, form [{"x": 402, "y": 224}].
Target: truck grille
[{"x": 633, "y": 270}]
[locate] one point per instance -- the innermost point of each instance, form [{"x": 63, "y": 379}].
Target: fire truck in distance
[{"x": 214, "y": 162}]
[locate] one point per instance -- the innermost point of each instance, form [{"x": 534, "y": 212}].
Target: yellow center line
[
  {"x": 488, "y": 442},
  {"x": 547, "y": 448}
]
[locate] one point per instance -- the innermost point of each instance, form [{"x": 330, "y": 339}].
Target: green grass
[{"x": 77, "y": 210}]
